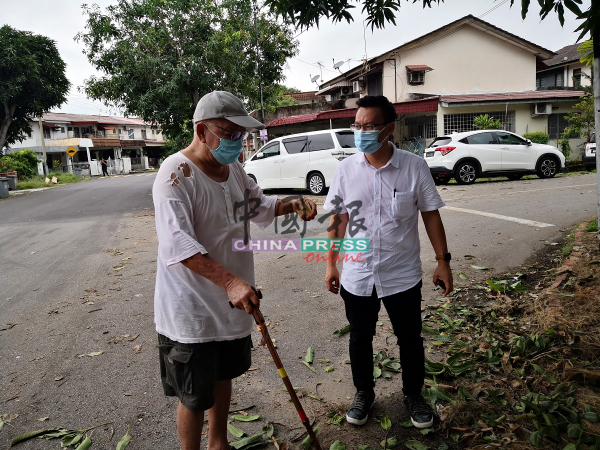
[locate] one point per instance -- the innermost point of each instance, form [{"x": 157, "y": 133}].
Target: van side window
[
  {"x": 322, "y": 141},
  {"x": 270, "y": 150},
  {"x": 345, "y": 138},
  {"x": 296, "y": 144}
]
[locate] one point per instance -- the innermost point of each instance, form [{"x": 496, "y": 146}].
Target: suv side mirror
[{"x": 528, "y": 141}]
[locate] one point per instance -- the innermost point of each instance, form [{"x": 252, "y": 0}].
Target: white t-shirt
[
  {"x": 195, "y": 214},
  {"x": 383, "y": 206}
]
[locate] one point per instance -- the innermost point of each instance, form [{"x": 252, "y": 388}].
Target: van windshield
[{"x": 345, "y": 138}]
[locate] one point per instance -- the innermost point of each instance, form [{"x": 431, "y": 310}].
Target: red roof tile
[
  {"x": 304, "y": 96},
  {"x": 512, "y": 96}
]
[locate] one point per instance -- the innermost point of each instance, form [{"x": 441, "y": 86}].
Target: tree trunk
[
  {"x": 596, "y": 82},
  {"x": 8, "y": 117}
]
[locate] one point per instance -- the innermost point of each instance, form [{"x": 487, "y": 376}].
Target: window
[
  {"x": 540, "y": 83},
  {"x": 131, "y": 134},
  {"x": 423, "y": 127},
  {"x": 457, "y": 123},
  {"x": 416, "y": 77},
  {"x": 345, "y": 138},
  {"x": 47, "y": 133},
  {"x": 296, "y": 145},
  {"x": 70, "y": 129},
  {"x": 270, "y": 150},
  {"x": 577, "y": 77},
  {"x": 557, "y": 124},
  {"x": 62, "y": 130},
  {"x": 481, "y": 139},
  {"x": 114, "y": 131},
  {"x": 442, "y": 140},
  {"x": 322, "y": 141},
  {"x": 144, "y": 134},
  {"x": 558, "y": 79},
  {"x": 120, "y": 131},
  {"x": 509, "y": 139}
]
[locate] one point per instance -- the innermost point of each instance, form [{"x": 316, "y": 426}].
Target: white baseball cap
[{"x": 224, "y": 105}]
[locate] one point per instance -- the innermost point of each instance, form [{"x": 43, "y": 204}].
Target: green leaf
[
  {"x": 268, "y": 430},
  {"x": 310, "y": 354},
  {"x": 124, "y": 441},
  {"x": 307, "y": 441},
  {"x": 591, "y": 416},
  {"x": 376, "y": 372},
  {"x": 385, "y": 422},
  {"x": 257, "y": 438},
  {"x": 407, "y": 424},
  {"x": 365, "y": 447},
  {"x": 415, "y": 445},
  {"x": 389, "y": 443},
  {"x": 536, "y": 439},
  {"x": 242, "y": 418},
  {"x": 67, "y": 442},
  {"x": 479, "y": 267},
  {"x": 341, "y": 331},
  {"x": 323, "y": 361},
  {"x": 442, "y": 446},
  {"x": 337, "y": 445},
  {"x": 31, "y": 434},
  {"x": 574, "y": 431},
  {"x": 329, "y": 369},
  {"x": 570, "y": 446},
  {"x": 87, "y": 443},
  {"x": 309, "y": 366},
  {"x": 235, "y": 430},
  {"x": 462, "y": 276},
  {"x": 425, "y": 431}
]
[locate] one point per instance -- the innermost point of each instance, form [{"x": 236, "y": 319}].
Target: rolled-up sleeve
[{"x": 428, "y": 197}]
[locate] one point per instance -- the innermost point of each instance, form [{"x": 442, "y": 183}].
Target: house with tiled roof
[
  {"x": 72, "y": 141},
  {"x": 563, "y": 70},
  {"x": 441, "y": 81}
]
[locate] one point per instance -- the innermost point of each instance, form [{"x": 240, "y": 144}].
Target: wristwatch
[{"x": 445, "y": 256}]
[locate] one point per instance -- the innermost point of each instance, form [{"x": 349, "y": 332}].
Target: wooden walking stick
[{"x": 262, "y": 327}]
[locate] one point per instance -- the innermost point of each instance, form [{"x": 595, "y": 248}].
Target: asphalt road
[{"x": 77, "y": 276}]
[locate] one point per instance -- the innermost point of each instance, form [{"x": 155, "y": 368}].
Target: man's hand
[
  {"x": 332, "y": 279},
  {"x": 306, "y": 209},
  {"x": 444, "y": 273},
  {"x": 242, "y": 295}
]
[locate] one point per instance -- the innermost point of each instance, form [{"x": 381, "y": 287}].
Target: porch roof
[{"x": 511, "y": 97}]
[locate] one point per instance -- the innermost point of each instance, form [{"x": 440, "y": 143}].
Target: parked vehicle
[
  {"x": 490, "y": 153},
  {"x": 305, "y": 160},
  {"x": 588, "y": 158}
]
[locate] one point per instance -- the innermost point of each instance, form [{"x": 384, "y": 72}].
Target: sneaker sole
[
  {"x": 422, "y": 424},
  {"x": 357, "y": 421}
]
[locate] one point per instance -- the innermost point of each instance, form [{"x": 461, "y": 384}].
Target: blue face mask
[
  {"x": 228, "y": 151},
  {"x": 367, "y": 141}
]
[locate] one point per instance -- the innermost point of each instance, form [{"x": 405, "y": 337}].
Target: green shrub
[
  {"x": 539, "y": 137},
  {"x": 24, "y": 162},
  {"x": 592, "y": 226},
  {"x": 485, "y": 122}
]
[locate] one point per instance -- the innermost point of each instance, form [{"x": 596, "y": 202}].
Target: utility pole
[{"x": 44, "y": 165}]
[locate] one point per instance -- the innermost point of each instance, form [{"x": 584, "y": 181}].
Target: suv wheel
[
  {"x": 546, "y": 167},
  {"x": 316, "y": 183},
  {"x": 466, "y": 173}
]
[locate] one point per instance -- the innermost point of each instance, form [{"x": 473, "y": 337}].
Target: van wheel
[{"x": 316, "y": 183}]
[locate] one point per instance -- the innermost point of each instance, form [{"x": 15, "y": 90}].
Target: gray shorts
[{"x": 190, "y": 371}]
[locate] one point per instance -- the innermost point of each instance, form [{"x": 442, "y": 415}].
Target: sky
[{"x": 61, "y": 20}]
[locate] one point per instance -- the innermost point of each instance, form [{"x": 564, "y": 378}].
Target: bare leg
[
  {"x": 217, "y": 417},
  {"x": 189, "y": 427}
]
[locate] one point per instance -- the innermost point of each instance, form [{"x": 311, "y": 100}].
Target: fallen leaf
[
  {"x": 133, "y": 338},
  {"x": 58, "y": 378},
  {"x": 127, "y": 394},
  {"x": 479, "y": 267},
  {"x": 42, "y": 419},
  {"x": 91, "y": 354},
  {"x": 137, "y": 348}
]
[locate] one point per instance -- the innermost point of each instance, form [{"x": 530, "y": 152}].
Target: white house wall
[{"x": 469, "y": 61}]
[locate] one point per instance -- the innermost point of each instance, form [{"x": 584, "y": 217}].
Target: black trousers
[{"x": 404, "y": 311}]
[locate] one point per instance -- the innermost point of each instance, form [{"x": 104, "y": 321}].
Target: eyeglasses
[
  {"x": 233, "y": 135},
  {"x": 365, "y": 127}
]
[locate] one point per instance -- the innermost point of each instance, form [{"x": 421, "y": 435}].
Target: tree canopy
[
  {"x": 380, "y": 12},
  {"x": 32, "y": 81},
  {"x": 158, "y": 57}
]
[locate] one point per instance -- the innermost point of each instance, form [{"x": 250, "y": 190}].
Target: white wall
[{"x": 468, "y": 61}]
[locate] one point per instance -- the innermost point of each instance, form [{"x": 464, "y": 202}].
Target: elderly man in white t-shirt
[
  {"x": 205, "y": 295},
  {"x": 376, "y": 194}
]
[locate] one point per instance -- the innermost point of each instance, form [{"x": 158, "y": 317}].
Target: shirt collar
[{"x": 394, "y": 161}]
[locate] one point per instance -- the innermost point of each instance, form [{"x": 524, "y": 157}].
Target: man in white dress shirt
[
  {"x": 203, "y": 200},
  {"x": 377, "y": 194}
]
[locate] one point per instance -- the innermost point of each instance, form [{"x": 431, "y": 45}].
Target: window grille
[
  {"x": 458, "y": 123},
  {"x": 423, "y": 127}
]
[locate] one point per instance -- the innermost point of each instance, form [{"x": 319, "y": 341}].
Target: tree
[
  {"x": 32, "y": 81},
  {"x": 159, "y": 57},
  {"x": 277, "y": 97},
  {"x": 379, "y": 12}
]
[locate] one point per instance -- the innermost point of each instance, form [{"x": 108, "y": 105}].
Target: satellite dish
[
  {"x": 337, "y": 65},
  {"x": 314, "y": 79}
]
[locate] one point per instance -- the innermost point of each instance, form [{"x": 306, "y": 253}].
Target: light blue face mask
[
  {"x": 367, "y": 141},
  {"x": 228, "y": 151}
]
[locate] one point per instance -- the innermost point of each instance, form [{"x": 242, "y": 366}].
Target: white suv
[
  {"x": 305, "y": 160},
  {"x": 589, "y": 155},
  {"x": 490, "y": 153}
]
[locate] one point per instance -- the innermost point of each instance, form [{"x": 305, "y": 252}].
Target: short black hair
[{"x": 379, "y": 101}]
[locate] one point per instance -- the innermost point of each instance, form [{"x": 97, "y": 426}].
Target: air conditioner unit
[
  {"x": 71, "y": 133},
  {"x": 539, "y": 109},
  {"x": 416, "y": 77},
  {"x": 346, "y": 90},
  {"x": 356, "y": 86}
]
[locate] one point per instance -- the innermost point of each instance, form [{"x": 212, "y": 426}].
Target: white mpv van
[{"x": 304, "y": 160}]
